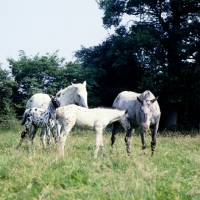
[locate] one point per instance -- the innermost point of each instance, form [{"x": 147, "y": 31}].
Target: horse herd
[{"x": 58, "y": 115}]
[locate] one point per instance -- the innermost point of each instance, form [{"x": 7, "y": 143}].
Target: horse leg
[
  {"x": 63, "y": 136},
  {"x": 143, "y": 140},
  {"x": 98, "y": 142},
  {"x": 42, "y": 137},
  {"x": 58, "y": 129},
  {"x": 32, "y": 136},
  {"x": 153, "y": 142},
  {"x": 55, "y": 133},
  {"x": 27, "y": 127},
  {"x": 48, "y": 136},
  {"x": 101, "y": 147},
  {"x": 113, "y": 136},
  {"x": 127, "y": 140},
  {"x": 23, "y": 134}
]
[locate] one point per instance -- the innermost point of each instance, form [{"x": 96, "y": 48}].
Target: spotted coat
[
  {"x": 95, "y": 119},
  {"x": 75, "y": 93},
  {"x": 38, "y": 118}
]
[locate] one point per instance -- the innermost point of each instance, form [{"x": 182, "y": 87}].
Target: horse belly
[{"x": 85, "y": 122}]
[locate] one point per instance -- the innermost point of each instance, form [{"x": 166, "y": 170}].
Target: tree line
[{"x": 157, "y": 50}]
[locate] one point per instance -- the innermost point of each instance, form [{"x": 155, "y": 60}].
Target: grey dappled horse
[{"x": 143, "y": 110}]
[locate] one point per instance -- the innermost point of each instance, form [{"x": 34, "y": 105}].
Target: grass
[{"x": 172, "y": 173}]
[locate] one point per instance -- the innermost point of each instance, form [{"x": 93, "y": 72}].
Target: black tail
[{"x": 24, "y": 118}]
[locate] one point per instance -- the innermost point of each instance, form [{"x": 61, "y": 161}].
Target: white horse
[
  {"x": 75, "y": 93},
  {"x": 38, "y": 118},
  {"x": 143, "y": 110},
  {"x": 93, "y": 119}
]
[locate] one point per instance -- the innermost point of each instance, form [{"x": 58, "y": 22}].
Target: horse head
[
  {"x": 146, "y": 111},
  {"x": 55, "y": 100},
  {"x": 81, "y": 94},
  {"x": 73, "y": 94}
]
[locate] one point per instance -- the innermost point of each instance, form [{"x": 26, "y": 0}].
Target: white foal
[{"x": 93, "y": 119}]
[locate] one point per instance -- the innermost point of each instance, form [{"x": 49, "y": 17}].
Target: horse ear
[
  {"x": 50, "y": 96},
  {"x": 126, "y": 111},
  {"x": 153, "y": 100},
  {"x": 72, "y": 83},
  {"x": 58, "y": 95},
  {"x": 84, "y": 83},
  {"x": 140, "y": 100}
]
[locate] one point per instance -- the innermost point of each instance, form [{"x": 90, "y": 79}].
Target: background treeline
[{"x": 158, "y": 50}]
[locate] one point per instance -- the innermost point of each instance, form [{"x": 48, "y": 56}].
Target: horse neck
[
  {"x": 52, "y": 110},
  {"x": 67, "y": 96},
  {"x": 113, "y": 115},
  {"x": 117, "y": 116}
]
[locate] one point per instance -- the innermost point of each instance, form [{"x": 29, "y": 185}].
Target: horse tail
[{"x": 24, "y": 117}]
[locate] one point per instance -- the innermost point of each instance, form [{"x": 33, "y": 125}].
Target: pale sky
[{"x": 44, "y": 26}]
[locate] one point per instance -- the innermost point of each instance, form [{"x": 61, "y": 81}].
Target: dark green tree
[
  {"x": 7, "y": 86},
  {"x": 115, "y": 63},
  {"x": 168, "y": 35},
  {"x": 74, "y": 72},
  {"x": 47, "y": 74},
  {"x": 36, "y": 74}
]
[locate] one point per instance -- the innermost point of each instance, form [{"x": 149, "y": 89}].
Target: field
[{"x": 172, "y": 173}]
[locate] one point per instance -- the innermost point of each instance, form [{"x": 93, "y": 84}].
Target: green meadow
[{"x": 172, "y": 173}]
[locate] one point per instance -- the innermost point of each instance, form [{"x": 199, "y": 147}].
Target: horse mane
[{"x": 64, "y": 90}]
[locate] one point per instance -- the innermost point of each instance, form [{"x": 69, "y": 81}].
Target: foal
[
  {"x": 38, "y": 118},
  {"x": 93, "y": 119}
]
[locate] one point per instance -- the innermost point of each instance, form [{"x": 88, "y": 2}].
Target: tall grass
[{"x": 172, "y": 173}]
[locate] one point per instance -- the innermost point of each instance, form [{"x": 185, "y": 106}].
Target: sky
[{"x": 45, "y": 26}]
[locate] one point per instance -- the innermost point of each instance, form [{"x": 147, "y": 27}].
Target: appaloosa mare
[
  {"x": 143, "y": 110},
  {"x": 75, "y": 93},
  {"x": 93, "y": 119}
]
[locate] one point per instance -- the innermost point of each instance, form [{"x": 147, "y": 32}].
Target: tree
[
  {"x": 7, "y": 85},
  {"x": 168, "y": 36},
  {"x": 115, "y": 63},
  {"x": 47, "y": 74},
  {"x": 75, "y": 72},
  {"x": 36, "y": 74}
]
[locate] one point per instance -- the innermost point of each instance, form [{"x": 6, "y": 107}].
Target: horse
[
  {"x": 143, "y": 110},
  {"x": 95, "y": 119},
  {"x": 39, "y": 118},
  {"x": 75, "y": 93}
]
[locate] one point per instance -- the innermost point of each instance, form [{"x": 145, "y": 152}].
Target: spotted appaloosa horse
[
  {"x": 38, "y": 118},
  {"x": 75, "y": 93},
  {"x": 93, "y": 119},
  {"x": 143, "y": 110}
]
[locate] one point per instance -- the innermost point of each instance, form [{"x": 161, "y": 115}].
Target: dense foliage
[
  {"x": 115, "y": 58},
  {"x": 167, "y": 48},
  {"x": 46, "y": 74},
  {"x": 7, "y": 87},
  {"x": 158, "y": 49}
]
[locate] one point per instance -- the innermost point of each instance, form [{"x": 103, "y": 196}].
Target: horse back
[
  {"x": 127, "y": 100},
  {"x": 39, "y": 100}
]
